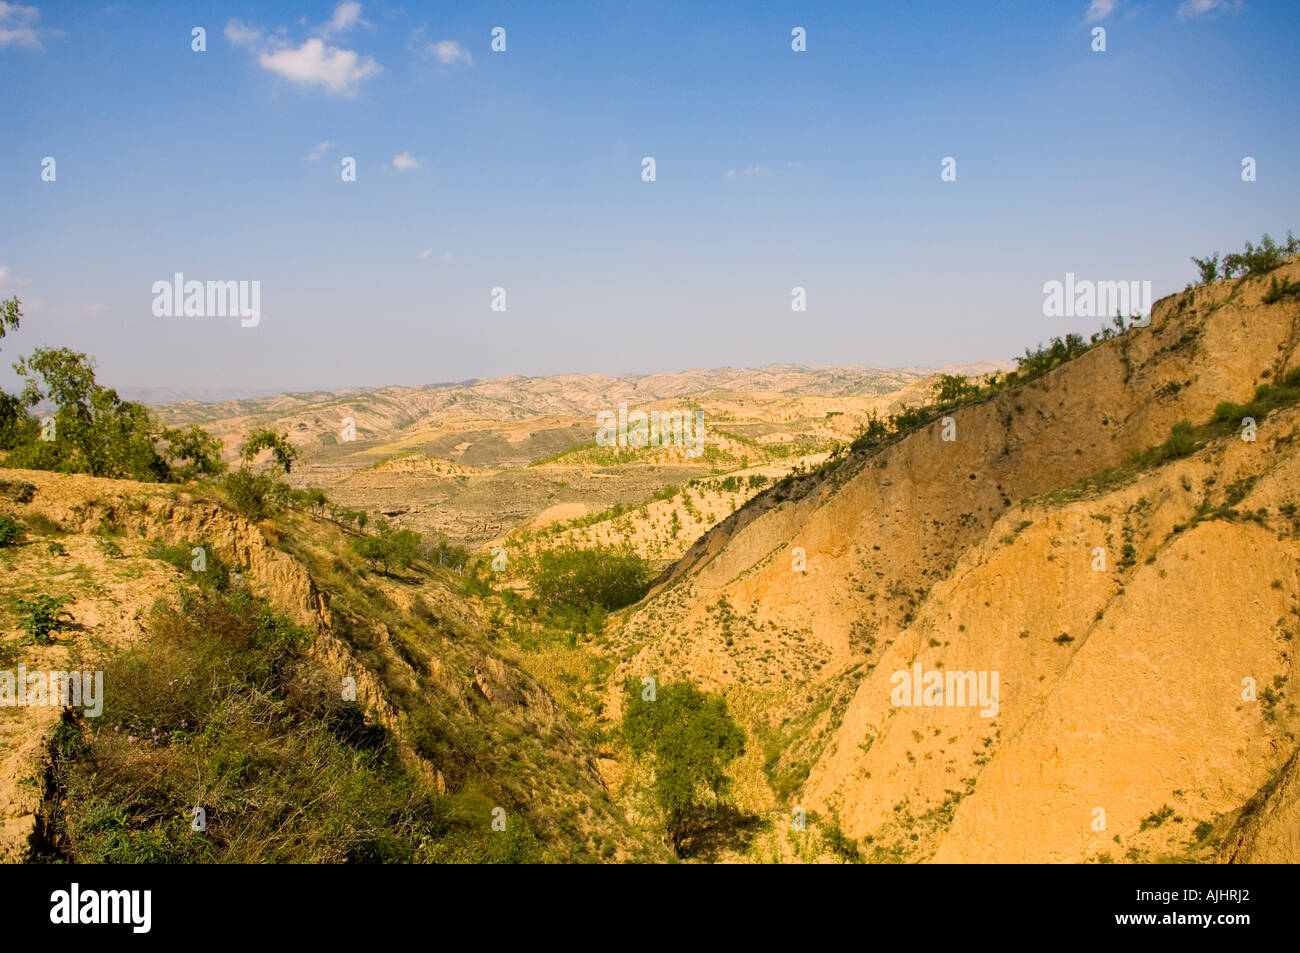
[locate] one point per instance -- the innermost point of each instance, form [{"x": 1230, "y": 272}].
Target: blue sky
[{"x": 522, "y": 169}]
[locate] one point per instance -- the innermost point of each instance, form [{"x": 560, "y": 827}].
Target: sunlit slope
[{"x": 1120, "y": 689}]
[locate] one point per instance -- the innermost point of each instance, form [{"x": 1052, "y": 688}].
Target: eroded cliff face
[{"x": 1125, "y": 726}]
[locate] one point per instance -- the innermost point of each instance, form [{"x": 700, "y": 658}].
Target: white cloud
[
  {"x": 18, "y": 26},
  {"x": 346, "y": 16},
  {"x": 404, "y": 161},
  {"x": 1200, "y": 8},
  {"x": 748, "y": 170},
  {"x": 7, "y": 277},
  {"x": 240, "y": 35},
  {"x": 1099, "y": 10},
  {"x": 449, "y": 53},
  {"x": 427, "y": 253},
  {"x": 316, "y": 63},
  {"x": 317, "y": 151}
]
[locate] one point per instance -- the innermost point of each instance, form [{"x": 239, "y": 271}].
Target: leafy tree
[
  {"x": 278, "y": 443},
  {"x": 439, "y": 550},
  {"x": 393, "y": 549},
  {"x": 1208, "y": 267},
  {"x": 11, "y": 408},
  {"x": 606, "y": 576},
  {"x": 360, "y": 517},
  {"x": 198, "y": 449},
  {"x": 11, "y": 313},
  {"x": 1256, "y": 259},
  {"x": 96, "y": 432},
  {"x": 690, "y": 738},
  {"x": 260, "y": 495},
  {"x": 15, "y": 428},
  {"x": 311, "y": 498},
  {"x": 951, "y": 388},
  {"x": 255, "y": 495},
  {"x": 876, "y": 431}
]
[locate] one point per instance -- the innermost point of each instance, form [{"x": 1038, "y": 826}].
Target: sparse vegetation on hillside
[
  {"x": 497, "y": 684},
  {"x": 221, "y": 710},
  {"x": 1184, "y": 439},
  {"x": 952, "y": 391},
  {"x": 1254, "y": 260}
]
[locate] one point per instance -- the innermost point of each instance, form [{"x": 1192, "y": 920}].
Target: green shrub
[
  {"x": 389, "y": 548},
  {"x": 42, "y": 616},
  {"x": 1260, "y": 259},
  {"x": 1208, "y": 267},
  {"x": 214, "y": 574},
  {"x": 953, "y": 388},
  {"x": 690, "y": 738},
  {"x": 1277, "y": 291},
  {"x": 605, "y": 576},
  {"x": 443, "y": 553},
  {"x": 10, "y": 530},
  {"x": 1180, "y": 442},
  {"x": 255, "y": 495},
  {"x": 312, "y": 498},
  {"x": 197, "y": 451}
]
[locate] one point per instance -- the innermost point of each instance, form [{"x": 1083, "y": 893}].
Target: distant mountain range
[{"x": 793, "y": 379}]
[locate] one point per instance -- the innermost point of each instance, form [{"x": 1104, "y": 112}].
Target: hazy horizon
[{"x": 167, "y": 394}]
